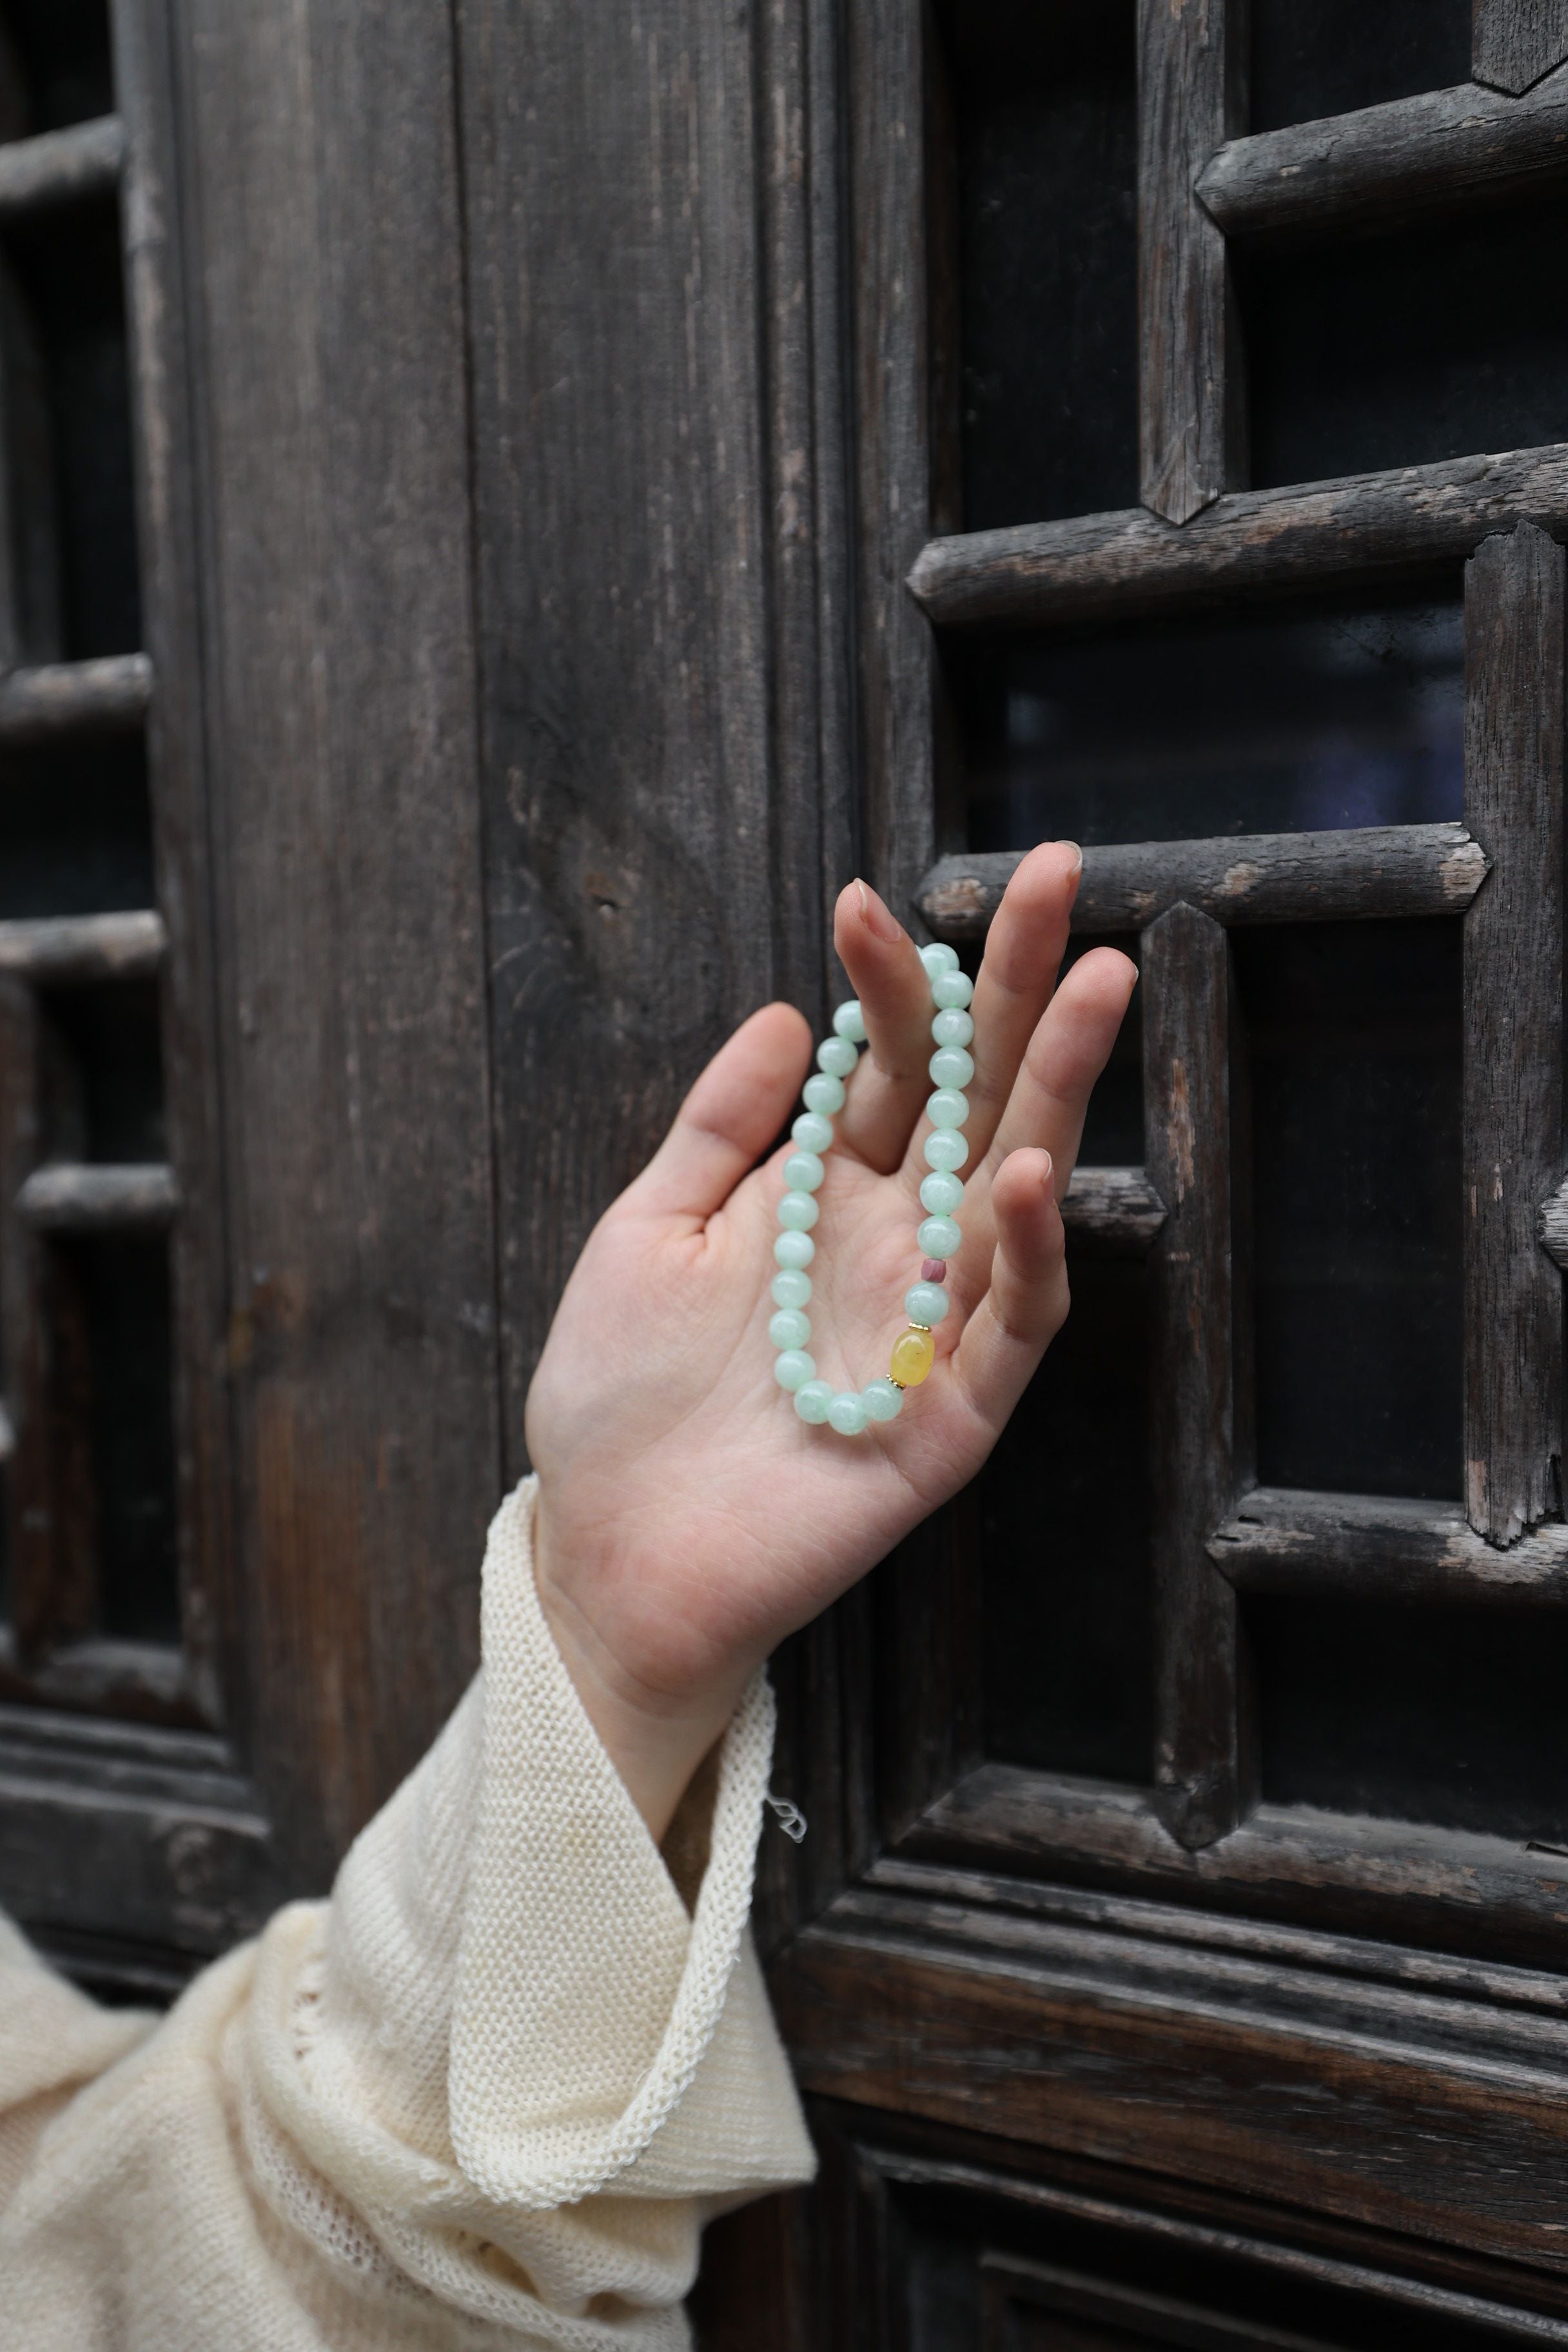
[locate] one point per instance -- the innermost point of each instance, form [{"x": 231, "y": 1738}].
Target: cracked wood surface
[
  {"x": 1382, "y": 1548},
  {"x": 1514, "y": 42}
]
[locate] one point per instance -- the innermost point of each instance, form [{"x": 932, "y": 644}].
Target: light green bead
[
  {"x": 837, "y": 1057},
  {"x": 847, "y": 1414},
  {"x": 953, "y": 991},
  {"x": 812, "y": 1132},
  {"x": 804, "y": 1171},
  {"x": 793, "y": 1249},
  {"x": 947, "y": 1107},
  {"x": 946, "y": 1148},
  {"x": 791, "y": 1288},
  {"x": 942, "y": 1193},
  {"x": 812, "y": 1400},
  {"x": 950, "y": 1065},
  {"x": 939, "y": 957},
  {"x": 849, "y": 1021},
  {"x": 789, "y": 1328},
  {"x": 823, "y": 1094},
  {"x": 952, "y": 1028},
  {"x": 938, "y": 1237},
  {"x": 926, "y": 1303},
  {"x": 794, "y": 1369},
  {"x": 798, "y": 1213},
  {"x": 883, "y": 1401}
]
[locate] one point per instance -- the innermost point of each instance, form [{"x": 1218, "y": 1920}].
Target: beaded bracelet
[{"x": 952, "y": 1068}]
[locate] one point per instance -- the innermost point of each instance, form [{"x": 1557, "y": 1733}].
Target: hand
[{"x": 687, "y": 1518}]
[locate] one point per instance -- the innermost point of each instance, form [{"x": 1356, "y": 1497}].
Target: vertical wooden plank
[
  {"x": 1192, "y": 401},
  {"x": 28, "y": 1488},
  {"x": 1513, "y": 1131},
  {"x": 1514, "y": 42},
  {"x": 1204, "y": 1769}
]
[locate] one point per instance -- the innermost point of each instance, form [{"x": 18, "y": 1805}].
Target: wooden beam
[
  {"x": 1366, "y": 872},
  {"x": 1514, "y": 42},
  {"x": 71, "y": 1199},
  {"x": 1203, "y": 1765},
  {"x": 62, "y": 699},
  {"x": 1407, "y": 523},
  {"x": 1382, "y": 1548},
  {"x": 1436, "y": 152},
  {"x": 1115, "y": 1208},
  {"x": 58, "y": 950},
  {"x": 61, "y": 167},
  {"x": 1513, "y": 1102},
  {"x": 1190, "y": 407}
]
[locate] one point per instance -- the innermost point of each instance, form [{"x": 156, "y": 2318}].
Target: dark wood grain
[
  {"x": 1203, "y": 1768},
  {"x": 61, "y": 167},
  {"x": 1514, "y": 42},
  {"x": 1011, "y": 2287},
  {"x": 28, "y": 1495},
  {"x": 1513, "y": 1131},
  {"x": 127, "y": 1682},
  {"x": 1411, "y": 520},
  {"x": 1438, "y": 151},
  {"x": 1115, "y": 1208},
  {"x": 1191, "y": 402},
  {"x": 70, "y": 1198},
  {"x": 1382, "y": 1548},
  {"x": 58, "y": 700},
  {"x": 61, "y": 951},
  {"x": 1367, "y": 873}
]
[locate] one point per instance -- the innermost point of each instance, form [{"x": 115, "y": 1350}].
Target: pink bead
[{"x": 934, "y": 1269}]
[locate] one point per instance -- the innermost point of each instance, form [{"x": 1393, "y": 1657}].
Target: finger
[
  {"x": 892, "y": 1081},
  {"x": 728, "y": 1119},
  {"x": 1025, "y": 943},
  {"x": 1070, "y": 1046},
  {"x": 1027, "y": 1304}
]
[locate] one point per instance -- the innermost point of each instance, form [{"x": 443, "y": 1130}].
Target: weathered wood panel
[
  {"x": 1382, "y": 1548},
  {"x": 62, "y": 699},
  {"x": 60, "y": 951},
  {"x": 1513, "y": 1129},
  {"x": 68, "y": 1198},
  {"x": 1514, "y": 42},
  {"x": 1115, "y": 1208},
  {"x": 1364, "y": 874},
  {"x": 1369, "y": 528},
  {"x": 61, "y": 167}
]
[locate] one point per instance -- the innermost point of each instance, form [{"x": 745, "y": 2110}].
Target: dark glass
[
  {"x": 1045, "y": 134},
  {"x": 58, "y": 66},
  {"x": 124, "y": 1287},
  {"x": 1354, "y": 1048},
  {"x": 1312, "y": 58},
  {"x": 1179, "y": 730},
  {"x": 1451, "y": 1715},
  {"x": 106, "y": 1101},
  {"x": 74, "y": 829},
  {"x": 65, "y": 269},
  {"x": 1404, "y": 350}
]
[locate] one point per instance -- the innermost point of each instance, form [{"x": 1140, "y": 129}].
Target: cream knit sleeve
[{"x": 486, "y": 2096}]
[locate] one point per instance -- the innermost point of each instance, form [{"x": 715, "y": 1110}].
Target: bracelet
[{"x": 926, "y": 1302}]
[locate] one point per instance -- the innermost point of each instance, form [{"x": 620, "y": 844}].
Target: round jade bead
[
  {"x": 850, "y": 1022},
  {"x": 938, "y": 1237},
  {"x": 797, "y": 1211},
  {"x": 823, "y": 1094},
  {"x": 952, "y": 1028},
  {"x": 939, "y": 957},
  {"x": 812, "y": 1132},
  {"x": 793, "y": 1249},
  {"x": 926, "y": 1303},
  {"x": 947, "y": 1107},
  {"x": 794, "y": 1369},
  {"x": 953, "y": 991},
  {"x": 847, "y": 1414},
  {"x": 812, "y": 1400},
  {"x": 946, "y": 1148},
  {"x": 789, "y": 1327},
  {"x": 941, "y": 1194},
  {"x": 791, "y": 1288},
  {"x": 837, "y": 1057},
  {"x": 804, "y": 1171},
  {"x": 883, "y": 1401},
  {"x": 950, "y": 1065}
]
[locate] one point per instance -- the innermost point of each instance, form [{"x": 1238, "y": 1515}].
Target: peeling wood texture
[
  {"x": 1202, "y": 1768},
  {"x": 68, "y": 1198},
  {"x": 1382, "y": 1548},
  {"x": 1366, "y": 872},
  {"x": 1513, "y": 1132},
  {"x": 1440, "y": 151},
  {"x": 1115, "y": 1208},
  {"x": 1191, "y": 409},
  {"x": 61, "y": 699},
  {"x": 61, "y": 167},
  {"x": 1363, "y": 526},
  {"x": 1514, "y": 42}
]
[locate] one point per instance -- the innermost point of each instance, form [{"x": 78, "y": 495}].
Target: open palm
[{"x": 687, "y": 1518}]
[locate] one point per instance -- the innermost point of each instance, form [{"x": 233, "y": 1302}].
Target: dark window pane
[
  {"x": 1408, "y": 349},
  {"x": 74, "y": 830},
  {"x": 54, "y": 63},
  {"x": 123, "y": 1284},
  {"x": 1193, "y": 727},
  {"x": 1311, "y": 57},
  {"x": 1435, "y": 1715},
  {"x": 1354, "y": 1039},
  {"x": 106, "y": 1095},
  {"x": 1044, "y": 126}
]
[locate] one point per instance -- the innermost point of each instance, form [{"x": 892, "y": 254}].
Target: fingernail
[
  {"x": 1077, "y": 854},
  {"x": 874, "y": 915},
  {"x": 1047, "y": 1180}
]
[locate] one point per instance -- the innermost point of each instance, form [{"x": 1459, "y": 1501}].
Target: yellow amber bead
[{"x": 913, "y": 1351}]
